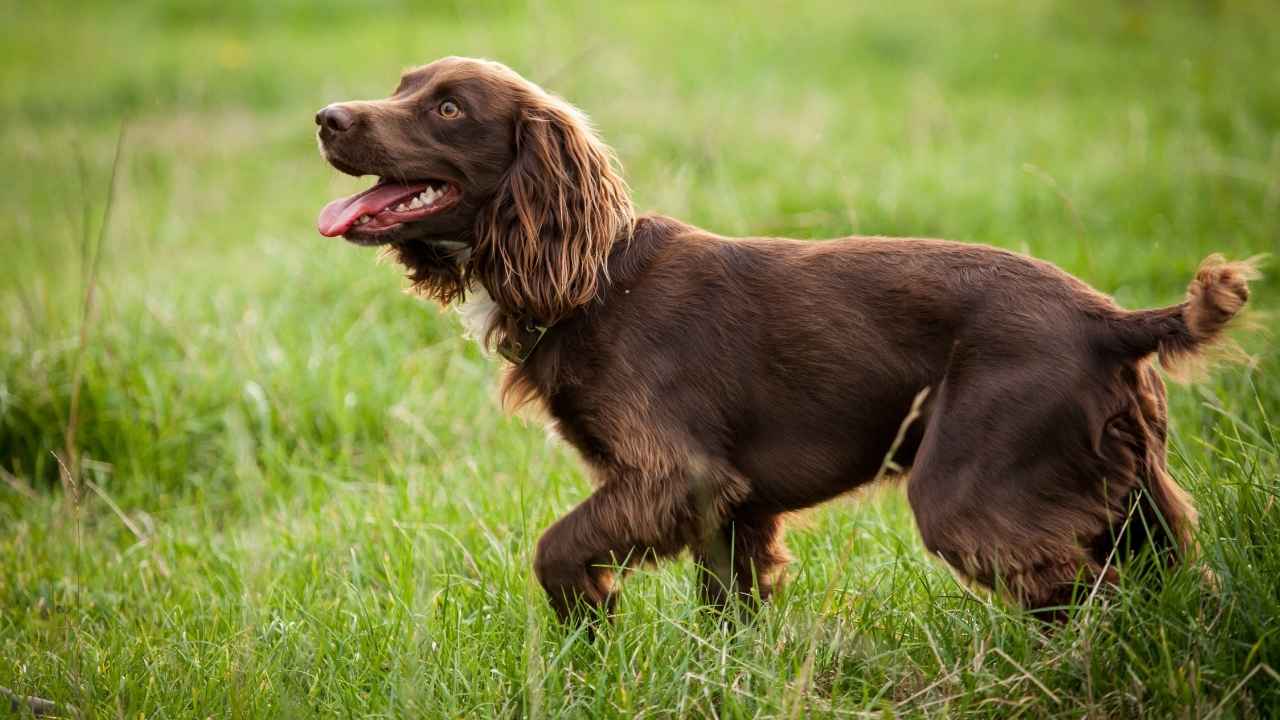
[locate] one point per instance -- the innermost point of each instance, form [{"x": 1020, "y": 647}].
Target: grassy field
[{"x": 290, "y": 492}]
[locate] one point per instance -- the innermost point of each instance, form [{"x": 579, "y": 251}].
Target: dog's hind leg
[
  {"x": 1008, "y": 487},
  {"x": 1159, "y": 514}
]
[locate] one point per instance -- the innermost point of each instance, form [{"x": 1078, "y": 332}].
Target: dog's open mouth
[{"x": 384, "y": 207}]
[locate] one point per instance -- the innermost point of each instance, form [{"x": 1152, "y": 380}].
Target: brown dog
[{"x": 712, "y": 385}]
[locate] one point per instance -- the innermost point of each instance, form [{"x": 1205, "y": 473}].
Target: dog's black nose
[{"x": 335, "y": 117}]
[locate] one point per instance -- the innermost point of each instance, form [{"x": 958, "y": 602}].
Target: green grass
[{"x": 298, "y": 495}]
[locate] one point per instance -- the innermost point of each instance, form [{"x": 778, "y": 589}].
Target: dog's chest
[{"x": 478, "y": 313}]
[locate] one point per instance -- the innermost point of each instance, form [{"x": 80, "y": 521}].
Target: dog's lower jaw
[{"x": 436, "y": 268}]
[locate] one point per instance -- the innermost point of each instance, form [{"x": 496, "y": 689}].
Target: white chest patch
[{"x": 478, "y": 313}]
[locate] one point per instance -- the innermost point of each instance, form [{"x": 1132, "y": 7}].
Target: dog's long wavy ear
[{"x": 542, "y": 243}]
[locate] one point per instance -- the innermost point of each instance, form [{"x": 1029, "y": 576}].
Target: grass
[{"x": 289, "y": 491}]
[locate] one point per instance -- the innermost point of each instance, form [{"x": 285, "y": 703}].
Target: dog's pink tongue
[{"x": 338, "y": 216}]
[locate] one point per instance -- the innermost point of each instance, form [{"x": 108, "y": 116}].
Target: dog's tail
[{"x": 1181, "y": 334}]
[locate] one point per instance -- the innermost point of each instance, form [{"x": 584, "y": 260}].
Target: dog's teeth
[
  {"x": 401, "y": 207},
  {"x": 415, "y": 203}
]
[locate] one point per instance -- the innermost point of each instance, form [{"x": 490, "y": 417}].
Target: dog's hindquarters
[{"x": 1044, "y": 466}]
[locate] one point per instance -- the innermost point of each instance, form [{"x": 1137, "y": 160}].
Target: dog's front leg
[
  {"x": 744, "y": 558},
  {"x": 627, "y": 521}
]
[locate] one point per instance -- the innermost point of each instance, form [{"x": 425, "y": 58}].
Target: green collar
[{"x": 517, "y": 347}]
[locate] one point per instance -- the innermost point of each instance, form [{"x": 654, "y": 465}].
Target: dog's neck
[
  {"x": 481, "y": 317},
  {"x": 513, "y": 334}
]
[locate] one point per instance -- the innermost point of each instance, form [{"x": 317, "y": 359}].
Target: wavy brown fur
[{"x": 712, "y": 385}]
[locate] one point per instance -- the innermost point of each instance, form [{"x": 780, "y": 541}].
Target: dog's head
[{"x": 482, "y": 177}]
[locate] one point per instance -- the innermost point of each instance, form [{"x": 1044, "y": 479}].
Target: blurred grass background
[{"x": 295, "y": 495}]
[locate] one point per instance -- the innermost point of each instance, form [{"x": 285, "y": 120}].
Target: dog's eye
[{"x": 449, "y": 109}]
